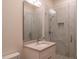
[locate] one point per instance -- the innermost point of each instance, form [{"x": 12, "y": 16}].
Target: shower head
[{"x": 52, "y": 12}]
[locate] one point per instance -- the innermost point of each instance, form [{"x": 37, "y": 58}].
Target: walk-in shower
[{"x": 60, "y": 27}]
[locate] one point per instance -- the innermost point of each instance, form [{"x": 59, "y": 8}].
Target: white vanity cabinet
[{"x": 47, "y": 52}]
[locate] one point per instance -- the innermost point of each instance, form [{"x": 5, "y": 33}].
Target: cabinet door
[
  {"x": 52, "y": 52},
  {"x": 48, "y": 53},
  {"x": 44, "y": 54},
  {"x": 44, "y": 57}
]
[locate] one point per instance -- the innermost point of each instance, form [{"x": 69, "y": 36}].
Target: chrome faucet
[{"x": 38, "y": 39}]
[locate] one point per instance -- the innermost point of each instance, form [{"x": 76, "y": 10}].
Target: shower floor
[{"x": 63, "y": 57}]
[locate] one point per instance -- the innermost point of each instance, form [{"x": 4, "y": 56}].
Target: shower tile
[{"x": 63, "y": 57}]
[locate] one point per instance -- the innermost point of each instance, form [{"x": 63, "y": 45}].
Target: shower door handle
[{"x": 71, "y": 39}]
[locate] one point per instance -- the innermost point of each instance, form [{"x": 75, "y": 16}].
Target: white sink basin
[{"x": 40, "y": 46}]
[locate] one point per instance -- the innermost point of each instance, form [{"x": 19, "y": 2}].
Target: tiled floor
[{"x": 63, "y": 57}]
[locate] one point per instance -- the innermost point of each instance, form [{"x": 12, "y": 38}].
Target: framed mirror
[{"x": 32, "y": 23}]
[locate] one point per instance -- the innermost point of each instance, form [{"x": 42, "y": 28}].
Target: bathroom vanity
[{"x": 40, "y": 50}]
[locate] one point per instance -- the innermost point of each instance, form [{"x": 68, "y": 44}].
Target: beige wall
[{"x": 12, "y": 26}]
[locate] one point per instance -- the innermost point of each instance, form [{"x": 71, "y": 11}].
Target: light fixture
[{"x": 36, "y": 3}]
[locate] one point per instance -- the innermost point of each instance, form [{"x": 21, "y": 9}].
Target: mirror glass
[{"x": 32, "y": 23}]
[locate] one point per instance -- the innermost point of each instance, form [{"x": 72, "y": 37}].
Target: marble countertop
[{"x": 41, "y": 45}]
